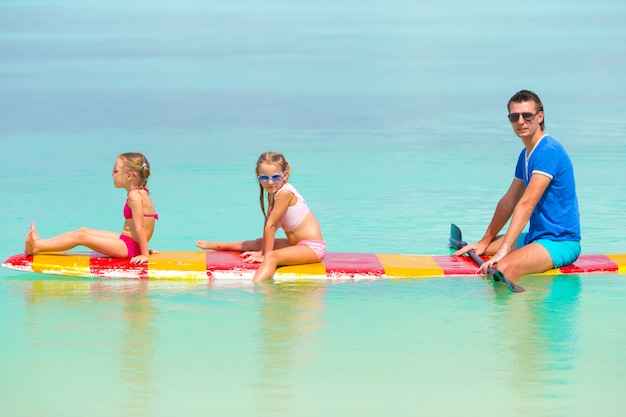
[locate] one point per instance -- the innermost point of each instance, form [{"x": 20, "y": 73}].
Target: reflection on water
[
  {"x": 137, "y": 350},
  {"x": 291, "y": 314},
  {"x": 92, "y": 317},
  {"x": 151, "y": 348},
  {"x": 540, "y": 329},
  {"x": 115, "y": 329}
]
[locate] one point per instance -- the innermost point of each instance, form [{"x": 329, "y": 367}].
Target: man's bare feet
[{"x": 32, "y": 237}]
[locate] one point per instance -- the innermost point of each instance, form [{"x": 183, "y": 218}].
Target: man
[{"x": 542, "y": 192}]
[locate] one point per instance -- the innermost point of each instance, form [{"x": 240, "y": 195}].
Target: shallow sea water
[{"x": 392, "y": 116}]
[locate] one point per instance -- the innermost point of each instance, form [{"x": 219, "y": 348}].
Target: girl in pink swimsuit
[
  {"x": 286, "y": 209},
  {"x": 131, "y": 172}
]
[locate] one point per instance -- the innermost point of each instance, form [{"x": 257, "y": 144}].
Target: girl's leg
[
  {"x": 241, "y": 246},
  {"x": 291, "y": 255},
  {"x": 105, "y": 242},
  {"x": 281, "y": 243}
]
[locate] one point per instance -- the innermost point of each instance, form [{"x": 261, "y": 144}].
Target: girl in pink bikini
[
  {"x": 285, "y": 208},
  {"x": 131, "y": 172}
]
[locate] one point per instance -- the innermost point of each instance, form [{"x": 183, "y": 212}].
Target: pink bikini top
[
  {"x": 296, "y": 213},
  {"x": 128, "y": 214}
]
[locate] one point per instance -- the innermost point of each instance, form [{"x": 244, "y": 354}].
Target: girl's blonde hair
[
  {"x": 138, "y": 164},
  {"x": 274, "y": 158}
]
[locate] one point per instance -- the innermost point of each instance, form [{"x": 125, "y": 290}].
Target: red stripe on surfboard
[
  {"x": 463, "y": 265},
  {"x": 590, "y": 263},
  {"x": 227, "y": 261},
  {"x": 104, "y": 266},
  {"x": 353, "y": 264},
  {"x": 456, "y": 265},
  {"x": 19, "y": 261}
]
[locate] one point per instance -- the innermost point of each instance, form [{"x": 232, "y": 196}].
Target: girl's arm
[
  {"x": 136, "y": 205},
  {"x": 281, "y": 204}
]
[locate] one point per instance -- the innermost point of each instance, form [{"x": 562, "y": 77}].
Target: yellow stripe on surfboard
[
  {"x": 57, "y": 263},
  {"x": 620, "y": 261},
  {"x": 554, "y": 271},
  {"x": 405, "y": 266},
  {"x": 182, "y": 265},
  {"x": 307, "y": 270}
]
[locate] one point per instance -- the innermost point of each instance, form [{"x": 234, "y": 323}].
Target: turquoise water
[{"x": 392, "y": 115}]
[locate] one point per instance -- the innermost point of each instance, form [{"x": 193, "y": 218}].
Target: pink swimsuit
[
  {"x": 317, "y": 246},
  {"x": 128, "y": 214},
  {"x": 294, "y": 216},
  {"x": 296, "y": 213},
  {"x": 131, "y": 245}
]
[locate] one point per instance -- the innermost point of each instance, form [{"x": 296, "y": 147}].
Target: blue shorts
[{"x": 562, "y": 252}]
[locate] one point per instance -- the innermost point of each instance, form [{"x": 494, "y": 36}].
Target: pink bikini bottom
[
  {"x": 133, "y": 247},
  {"x": 317, "y": 246}
]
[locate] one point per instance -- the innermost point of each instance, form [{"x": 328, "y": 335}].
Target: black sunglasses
[{"x": 527, "y": 116}]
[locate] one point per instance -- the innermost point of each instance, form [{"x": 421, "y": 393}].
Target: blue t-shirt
[{"x": 556, "y": 216}]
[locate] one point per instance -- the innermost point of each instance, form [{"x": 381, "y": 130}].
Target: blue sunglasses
[{"x": 276, "y": 178}]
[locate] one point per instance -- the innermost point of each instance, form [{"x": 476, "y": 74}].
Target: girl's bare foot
[
  {"x": 32, "y": 237},
  {"x": 203, "y": 244}
]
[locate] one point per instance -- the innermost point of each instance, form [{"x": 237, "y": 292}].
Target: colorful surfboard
[{"x": 229, "y": 266}]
